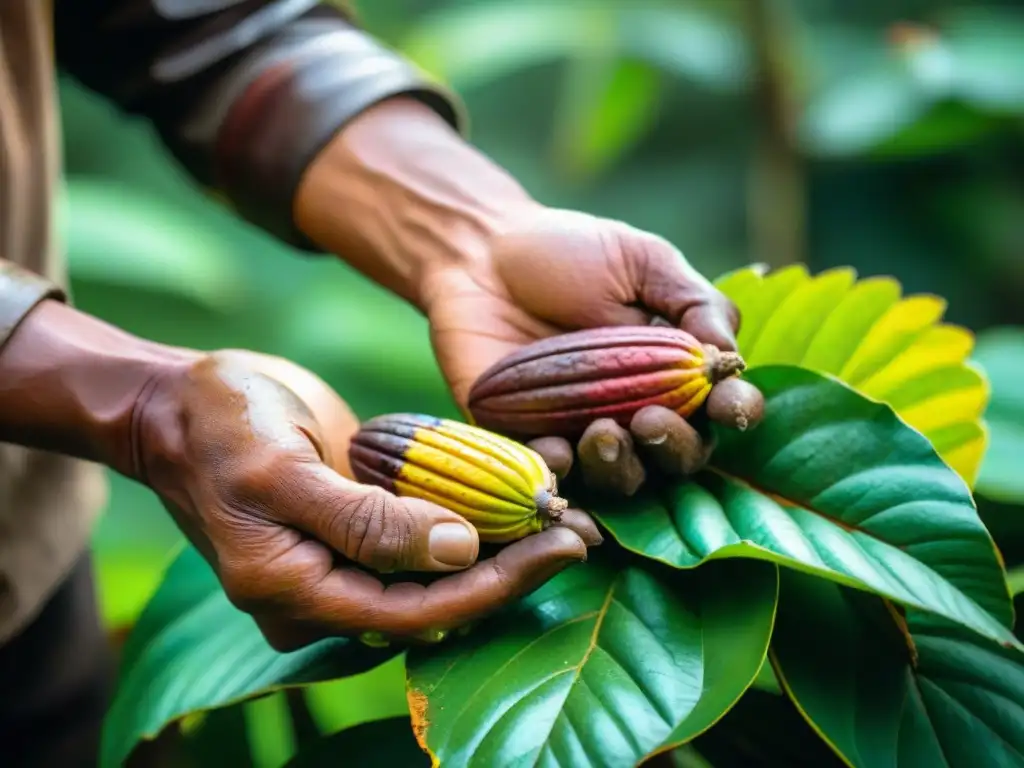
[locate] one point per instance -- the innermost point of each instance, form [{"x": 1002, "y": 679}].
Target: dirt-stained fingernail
[{"x": 452, "y": 544}]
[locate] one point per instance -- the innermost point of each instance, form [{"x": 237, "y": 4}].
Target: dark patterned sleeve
[{"x": 244, "y": 93}]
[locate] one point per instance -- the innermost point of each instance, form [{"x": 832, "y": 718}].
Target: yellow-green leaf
[{"x": 890, "y": 347}]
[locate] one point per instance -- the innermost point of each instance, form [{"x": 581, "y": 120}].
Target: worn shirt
[{"x": 244, "y": 93}]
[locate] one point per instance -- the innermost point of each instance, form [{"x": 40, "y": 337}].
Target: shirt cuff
[
  {"x": 20, "y": 292},
  {"x": 327, "y": 72}
]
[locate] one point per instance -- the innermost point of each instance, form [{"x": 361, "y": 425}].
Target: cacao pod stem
[
  {"x": 721, "y": 365},
  {"x": 550, "y": 506}
]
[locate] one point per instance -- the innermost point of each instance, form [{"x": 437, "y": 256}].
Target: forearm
[
  {"x": 69, "y": 382},
  {"x": 399, "y": 193},
  {"x": 245, "y": 94}
]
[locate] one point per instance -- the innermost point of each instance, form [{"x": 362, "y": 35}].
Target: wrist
[
  {"x": 399, "y": 195},
  {"x": 69, "y": 383}
]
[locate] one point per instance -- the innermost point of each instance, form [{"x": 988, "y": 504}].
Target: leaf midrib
[
  {"x": 539, "y": 638},
  {"x": 666, "y": 504},
  {"x": 851, "y": 529},
  {"x": 601, "y": 613}
]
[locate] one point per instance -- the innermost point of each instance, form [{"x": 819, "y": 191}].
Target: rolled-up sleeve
[
  {"x": 20, "y": 291},
  {"x": 244, "y": 93}
]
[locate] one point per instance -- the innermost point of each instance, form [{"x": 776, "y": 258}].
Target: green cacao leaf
[
  {"x": 865, "y": 332},
  {"x": 764, "y": 730},
  {"x": 941, "y": 696},
  {"x": 192, "y": 650},
  {"x": 386, "y": 743},
  {"x": 1000, "y": 352},
  {"x": 836, "y": 485},
  {"x": 599, "y": 667}
]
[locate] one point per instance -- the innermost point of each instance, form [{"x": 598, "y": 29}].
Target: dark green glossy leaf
[
  {"x": 1001, "y": 353},
  {"x": 764, "y": 730},
  {"x": 379, "y": 744},
  {"x": 851, "y": 671},
  {"x": 192, "y": 650},
  {"x": 599, "y": 667},
  {"x": 856, "y": 496}
]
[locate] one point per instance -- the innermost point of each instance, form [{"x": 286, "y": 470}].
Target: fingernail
[
  {"x": 452, "y": 544},
  {"x": 608, "y": 449},
  {"x": 657, "y": 439}
]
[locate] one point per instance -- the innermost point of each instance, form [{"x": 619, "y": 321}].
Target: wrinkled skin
[
  {"x": 249, "y": 454},
  {"x": 550, "y": 271}
]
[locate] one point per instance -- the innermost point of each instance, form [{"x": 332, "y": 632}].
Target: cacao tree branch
[{"x": 776, "y": 185}]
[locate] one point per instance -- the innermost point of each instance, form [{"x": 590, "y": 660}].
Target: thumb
[{"x": 375, "y": 528}]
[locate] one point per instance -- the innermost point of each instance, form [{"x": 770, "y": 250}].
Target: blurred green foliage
[{"x": 888, "y": 136}]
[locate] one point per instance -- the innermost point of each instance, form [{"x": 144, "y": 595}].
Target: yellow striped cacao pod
[
  {"x": 559, "y": 385},
  {"x": 504, "y": 489}
]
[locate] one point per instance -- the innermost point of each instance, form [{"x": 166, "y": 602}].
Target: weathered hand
[
  {"x": 551, "y": 271},
  {"x": 249, "y": 453}
]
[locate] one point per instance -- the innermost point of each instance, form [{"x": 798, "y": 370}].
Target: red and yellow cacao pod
[{"x": 559, "y": 385}]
